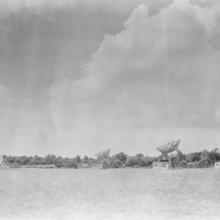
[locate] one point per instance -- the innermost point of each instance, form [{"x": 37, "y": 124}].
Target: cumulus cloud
[
  {"x": 159, "y": 69},
  {"x": 160, "y": 72}
]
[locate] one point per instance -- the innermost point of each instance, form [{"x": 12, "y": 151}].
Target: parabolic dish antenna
[{"x": 169, "y": 147}]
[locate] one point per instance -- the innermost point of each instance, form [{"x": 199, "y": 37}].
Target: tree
[
  {"x": 70, "y": 163},
  {"x": 121, "y": 156},
  {"x": 139, "y": 156},
  {"x": 85, "y": 159},
  {"x": 132, "y": 161},
  {"x": 116, "y": 163},
  {"x": 182, "y": 164},
  {"x": 214, "y": 156},
  {"x": 77, "y": 159},
  {"x": 36, "y": 160},
  {"x": 91, "y": 162},
  {"x": 177, "y": 160},
  {"x": 139, "y": 160},
  {"x": 24, "y": 160},
  {"x": 205, "y": 162},
  {"x": 105, "y": 164},
  {"x": 50, "y": 159},
  {"x": 10, "y": 159},
  {"x": 147, "y": 161},
  {"x": 192, "y": 157}
]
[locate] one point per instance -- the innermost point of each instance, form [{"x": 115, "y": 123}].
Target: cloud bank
[
  {"x": 161, "y": 71},
  {"x": 121, "y": 5},
  {"x": 149, "y": 81}
]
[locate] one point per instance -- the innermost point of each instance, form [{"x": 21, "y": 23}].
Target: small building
[
  {"x": 14, "y": 165},
  {"x": 217, "y": 165},
  {"x": 84, "y": 165},
  {"x": 161, "y": 165},
  {"x": 40, "y": 166}
]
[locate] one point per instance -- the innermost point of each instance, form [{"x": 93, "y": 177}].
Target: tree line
[
  {"x": 49, "y": 159},
  {"x": 199, "y": 159}
]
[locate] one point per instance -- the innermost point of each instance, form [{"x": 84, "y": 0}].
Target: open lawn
[{"x": 109, "y": 194}]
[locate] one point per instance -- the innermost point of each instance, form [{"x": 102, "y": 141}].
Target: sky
[{"x": 77, "y": 77}]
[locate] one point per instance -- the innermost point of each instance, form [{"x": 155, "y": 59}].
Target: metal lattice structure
[
  {"x": 168, "y": 149},
  {"x": 103, "y": 154},
  {"x": 3, "y": 162},
  {"x": 103, "y": 158}
]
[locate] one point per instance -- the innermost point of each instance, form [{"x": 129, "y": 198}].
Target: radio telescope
[
  {"x": 168, "y": 150},
  {"x": 103, "y": 158},
  {"x": 104, "y": 154}
]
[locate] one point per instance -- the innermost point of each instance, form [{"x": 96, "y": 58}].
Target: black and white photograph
[{"x": 109, "y": 110}]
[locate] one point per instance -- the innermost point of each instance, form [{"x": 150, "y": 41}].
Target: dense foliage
[
  {"x": 191, "y": 160},
  {"x": 58, "y": 161}
]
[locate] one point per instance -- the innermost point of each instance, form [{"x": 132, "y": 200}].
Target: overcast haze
[{"x": 80, "y": 76}]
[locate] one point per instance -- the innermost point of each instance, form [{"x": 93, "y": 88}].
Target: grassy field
[{"x": 109, "y": 194}]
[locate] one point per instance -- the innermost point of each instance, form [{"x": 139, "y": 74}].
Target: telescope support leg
[{"x": 170, "y": 164}]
